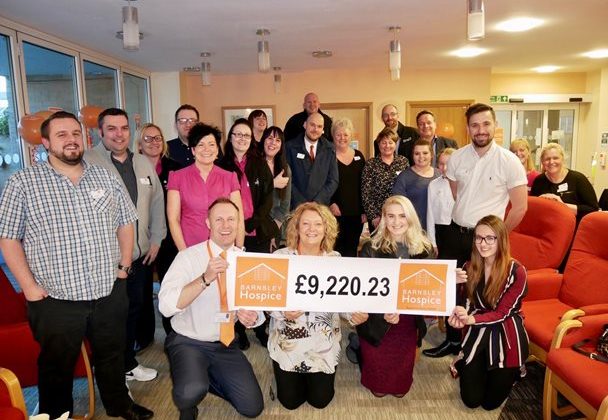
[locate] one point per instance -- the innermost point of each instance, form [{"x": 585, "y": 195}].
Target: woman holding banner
[
  {"x": 305, "y": 346},
  {"x": 495, "y": 343},
  {"x": 388, "y": 341}
]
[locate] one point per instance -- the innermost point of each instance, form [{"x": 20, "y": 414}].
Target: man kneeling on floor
[{"x": 203, "y": 355}]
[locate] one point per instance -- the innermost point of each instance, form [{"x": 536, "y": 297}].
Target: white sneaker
[{"x": 141, "y": 373}]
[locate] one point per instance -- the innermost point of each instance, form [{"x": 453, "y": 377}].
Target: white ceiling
[{"x": 177, "y": 31}]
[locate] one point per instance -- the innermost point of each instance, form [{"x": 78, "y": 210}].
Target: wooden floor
[{"x": 434, "y": 394}]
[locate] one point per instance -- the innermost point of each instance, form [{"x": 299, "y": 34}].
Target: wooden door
[
  {"x": 445, "y": 112},
  {"x": 359, "y": 113}
]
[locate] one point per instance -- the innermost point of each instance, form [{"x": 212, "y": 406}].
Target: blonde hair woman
[
  {"x": 305, "y": 346},
  {"x": 566, "y": 186},
  {"x": 521, "y": 148},
  {"x": 388, "y": 341}
]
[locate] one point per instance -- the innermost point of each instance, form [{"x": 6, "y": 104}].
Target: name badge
[
  {"x": 398, "y": 172},
  {"x": 562, "y": 187},
  {"x": 97, "y": 194},
  {"x": 300, "y": 156},
  {"x": 145, "y": 181},
  {"x": 222, "y": 317},
  {"x": 357, "y": 158}
]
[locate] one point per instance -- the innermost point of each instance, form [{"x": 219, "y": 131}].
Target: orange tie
[
  {"x": 312, "y": 153},
  {"x": 226, "y": 328}
]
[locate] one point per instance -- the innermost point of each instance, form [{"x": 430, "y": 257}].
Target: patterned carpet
[{"x": 434, "y": 394}]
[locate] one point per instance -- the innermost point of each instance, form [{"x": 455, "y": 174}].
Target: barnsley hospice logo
[
  {"x": 261, "y": 282},
  {"x": 422, "y": 287}
]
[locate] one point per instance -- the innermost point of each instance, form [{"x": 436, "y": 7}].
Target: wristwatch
[{"x": 125, "y": 268}]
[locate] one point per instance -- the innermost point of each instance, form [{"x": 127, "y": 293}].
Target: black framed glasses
[
  {"x": 184, "y": 121},
  {"x": 241, "y": 136},
  {"x": 155, "y": 139},
  {"x": 490, "y": 240}
]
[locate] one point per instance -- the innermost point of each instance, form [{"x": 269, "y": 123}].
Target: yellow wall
[{"x": 504, "y": 84}]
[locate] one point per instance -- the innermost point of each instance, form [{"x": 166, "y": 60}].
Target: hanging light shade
[
  {"x": 278, "y": 80},
  {"x": 206, "y": 73},
  {"x": 130, "y": 28},
  {"x": 476, "y": 26},
  {"x": 263, "y": 51},
  {"x": 394, "y": 54}
]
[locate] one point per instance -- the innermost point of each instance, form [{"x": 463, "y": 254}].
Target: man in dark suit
[
  {"x": 425, "y": 120},
  {"x": 295, "y": 124},
  {"x": 314, "y": 168},
  {"x": 407, "y": 135}
]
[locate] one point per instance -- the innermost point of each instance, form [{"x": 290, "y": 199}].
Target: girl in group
[
  {"x": 521, "y": 148},
  {"x": 194, "y": 188},
  {"x": 387, "y": 366},
  {"x": 495, "y": 342},
  {"x": 272, "y": 147},
  {"x": 305, "y": 346}
]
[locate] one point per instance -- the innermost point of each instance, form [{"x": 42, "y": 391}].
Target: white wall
[{"x": 165, "y": 100}]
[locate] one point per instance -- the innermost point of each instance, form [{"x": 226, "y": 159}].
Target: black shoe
[
  {"x": 134, "y": 412},
  {"x": 352, "y": 350},
  {"x": 243, "y": 341},
  {"x": 445, "y": 348}
]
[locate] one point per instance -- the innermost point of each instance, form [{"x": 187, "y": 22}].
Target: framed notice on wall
[{"x": 232, "y": 113}]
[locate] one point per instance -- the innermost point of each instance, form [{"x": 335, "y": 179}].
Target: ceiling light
[
  {"x": 263, "y": 51},
  {"x": 322, "y": 54},
  {"x": 519, "y": 24},
  {"x": 206, "y": 69},
  {"x": 130, "y": 28},
  {"x": 546, "y": 69},
  {"x": 603, "y": 53},
  {"x": 278, "y": 80},
  {"x": 468, "y": 52},
  {"x": 476, "y": 20},
  {"x": 394, "y": 54}
]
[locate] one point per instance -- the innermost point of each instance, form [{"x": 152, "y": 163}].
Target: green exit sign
[{"x": 499, "y": 99}]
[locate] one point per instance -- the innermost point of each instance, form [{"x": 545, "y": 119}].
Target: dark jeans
[
  {"x": 198, "y": 367},
  {"x": 146, "y": 323},
  {"x": 294, "y": 388},
  {"x": 480, "y": 386},
  {"x": 135, "y": 291},
  {"x": 349, "y": 234},
  {"x": 165, "y": 258},
  {"x": 59, "y": 326}
]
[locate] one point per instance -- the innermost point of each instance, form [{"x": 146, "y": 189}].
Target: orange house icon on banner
[
  {"x": 261, "y": 282},
  {"x": 422, "y": 287}
]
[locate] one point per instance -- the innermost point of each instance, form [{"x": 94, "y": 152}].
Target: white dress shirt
[
  {"x": 439, "y": 207},
  {"x": 309, "y": 143}
]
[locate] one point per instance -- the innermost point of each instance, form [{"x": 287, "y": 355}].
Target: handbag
[
  {"x": 601, "y": 353},
  {"x": 374, "y": 329}
]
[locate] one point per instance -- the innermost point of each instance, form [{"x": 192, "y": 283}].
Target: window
[
  {"x": 11, "y": 159},
  {"x": 136, "y": 103},
  {"x": 101, "y": 86}
]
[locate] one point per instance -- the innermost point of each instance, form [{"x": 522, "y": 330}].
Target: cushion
[{"x": 541, "y": 317}]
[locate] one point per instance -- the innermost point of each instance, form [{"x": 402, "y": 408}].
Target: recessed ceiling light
[
  {"x": 603, "y": 53},
  {"x": 322, "y": 54},
  {"x": 546, "y": 69},
  {"x": 519, "y": 24},
  {"x": 468, "y": 52}
]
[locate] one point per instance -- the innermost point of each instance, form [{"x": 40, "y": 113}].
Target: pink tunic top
[{"x": 197, "y": 195}]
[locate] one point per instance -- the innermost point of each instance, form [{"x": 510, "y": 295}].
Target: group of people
[{"x": 83, "y": 232}]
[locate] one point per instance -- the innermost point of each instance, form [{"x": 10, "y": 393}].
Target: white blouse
[
  {"x": 439, "y": 207},
  {"x": 308, "y": 344}
]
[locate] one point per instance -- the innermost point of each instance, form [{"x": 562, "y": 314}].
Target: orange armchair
[
  {"x": 543, "y": 237},
  {"x": 12, "y": 405},
  {"x": 578, "y": 378},
  {"x": 581, "y": 290},
  {"x": 18, "y": 349}
]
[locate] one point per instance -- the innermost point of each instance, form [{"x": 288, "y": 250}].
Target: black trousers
[
  {"x": 136, "y": 283},
  {"x": 59, "y": 326},
  {"x": 480, "y": 386},
  {"x": 348, "y": 236},
  {"x": 294, "y": 388},
  {"x": 165, "y": 258}
]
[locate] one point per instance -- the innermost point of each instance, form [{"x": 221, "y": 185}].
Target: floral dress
[{"x": 308, "y": 344}]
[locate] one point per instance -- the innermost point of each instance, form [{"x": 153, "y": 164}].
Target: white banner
[{"x": 340, "y": 284}]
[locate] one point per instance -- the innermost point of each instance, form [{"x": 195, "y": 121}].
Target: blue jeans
[{"x": 198, "y": 367}]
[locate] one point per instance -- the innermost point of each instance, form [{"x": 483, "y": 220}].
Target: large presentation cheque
[{"x": 340, "y": 284}]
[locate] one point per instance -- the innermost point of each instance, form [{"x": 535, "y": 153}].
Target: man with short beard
[
  {"x": 66, "y": 229},
  {"x": 484, "y": 178},
  {"x": 407, "y": 135}
]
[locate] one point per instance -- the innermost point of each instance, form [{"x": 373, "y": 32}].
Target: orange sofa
[{"x": 581, "y": 290}]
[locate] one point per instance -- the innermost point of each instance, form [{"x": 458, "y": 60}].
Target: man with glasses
[
  {"x": 185, "y": 117},
  {"x": 146, "y": 193},
  {"x": 407, "y": 135},
  {"x": 484, "y": 178},
  {"x": 314, "y": 168}
]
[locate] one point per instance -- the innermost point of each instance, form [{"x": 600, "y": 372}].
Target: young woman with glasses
[{"x": 495, "y": 342}]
